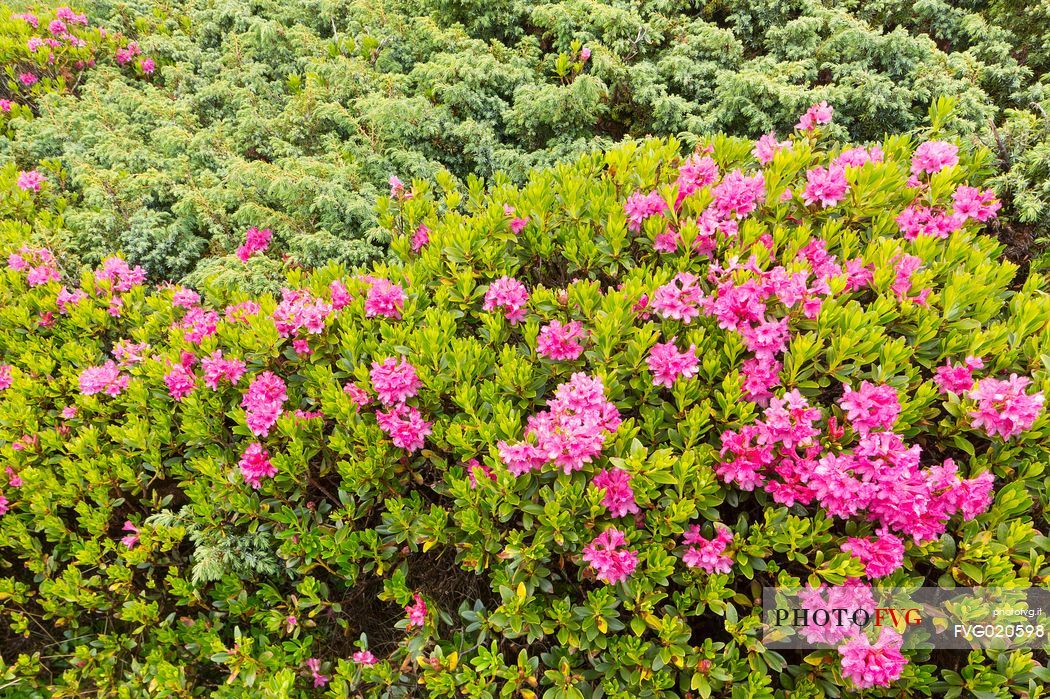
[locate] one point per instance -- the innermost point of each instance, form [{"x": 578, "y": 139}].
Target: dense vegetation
[{"x": 375, "y": 349}]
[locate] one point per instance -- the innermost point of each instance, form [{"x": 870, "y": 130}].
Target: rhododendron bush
[{"x": 553, "y": 447}]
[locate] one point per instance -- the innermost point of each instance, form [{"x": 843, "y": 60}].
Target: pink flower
[
  {"x": 121, "y": 276},
  {"x": 241, "y": 312},
  {"x": 417, "y": 612},
  {"x": 570, "y": 433},
  {"x": 56, "y": 27},
  {"x": 639, "y": 207},
  {"x": 364, "y": 657},
  {"x": 5, "y": 377},
  {"x": 974, "y": 203},
  {"x": 760, "y": 375},
  {"x": 263, "y": 402},
  {"x": 34, "y": 43},
  {"x": 619, "y": 497},
  {"x": 585, "y": 54},
  {"x": 255, "y": 465},
  {"x": 873, "y": 665},
  {"x": 934, "y": 156},
  {"x": 28, "y": 79},
  {"x": 560, "y": 342},
  {"x": 857, "y": 157},
  {"x": 918, "y": 220},
  {"x": 30, "y": 180},
  {"x": 300, "y": 310},
  {"x": 384, "y": 299},
  {"x": 957, "y": 379},
  {"x": 314, "y": 666},
  {"x": 106, "y": 378},
  {"x": 1003, "y": 408},
  {"x": 872, "y": 407},
  {"x": 180, "y": 382},
  {"x": 510, "y": 296},
  {"x": 397, "y": 188},
  {"x": 357, "y": 394},
  {"x": 666, "y": 241},
  {"x": 708, "y": 554},
  {"x": 768, "y": 146},
  {"x": 817, "y": 114},
  {"x": 405, "y": 426},
  {"x": 255, "y": 240},
  {"x": 4, "y": 505},
  {"x": 697, "y": 172},
  {"x": 290, "y": 622},
  {"x": 216, "y": 368},
  {"x": 666, "y": 363},
  {"x": 880, "y": 555},
  {"x": 5, "y": 105},
  {"x": 679, "y": 299},
  {"x": 904, "y": 267},
  {"x": 341, "y": 298},
  {"x": 28, "y": 18},
  {"x": 737, "y": 194},
  {"x": 607, "y": 557},
  {"x": 185, "y": 298},
  {"x": 131, "y": 539},
  {"x": 394, "y": 381},
  {"x": 147, "y": 65},
  {"x": 198, "y": 324},
  {"x": 420, "y": 238},
  {"x": 827, "y": 186},
  {"x": 69, "y": 412}
]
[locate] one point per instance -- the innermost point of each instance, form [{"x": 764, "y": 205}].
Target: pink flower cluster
[
  {"x": 708, "y": 554},
  {"x": 826, "y": 186},
  {"x": 420, "y": 238},
  {"x": 697, "y": 172},
  {"x": 876, "y": 664},
  {"x": 980, "y": 205},
  {"x": 737, "y": 195},
  {"x": 119, "y": 275},
  {"x": 858, "y": 157},
  {"x": 510, "y": 296},
  {"x": 608, "y": 556},
  {"x": 217, "y": 368},
  {"x": 264, "y": 402},
  {"x": 364, "y": 657},
  {"x": 679, "y": 299},
  {"x": 880, "y": 477},
  {"x": 405, "y": 426},
  {"x": 384, "y": 299},
  {"x": 957, "y": 379},
  {"x": 904, "y": 266},
  {"x": 560, "y": 342},
  {"x": 417, "y": 612},
  {"x": 30, "y": 180},
  {"x": 180, "y": 382},
  {"x": 38, "y": 264},
  {"x": 570, "y": 433},
  {"x": 1002, "y": 406},
  {"x": 103, "y": 379},
  {"x": 619, "y": 497},
  {"x": 934, "y": 156},
  {"x": 5, "y": 377},
  {"x": 640, "y": 206},
  {"x": 255, "y": 465},
  {"x": 314, "y": 666},
  {"x": 131, "y": 539},
  {"x": 394, "y": 381},
  {"x": 768, "y": 146},
  {"x": 881, "y": 555},
  {"x": 667, "y": 364},
  {"x": 197, "y": 324},
  {"x": 255, "y": 240},
  {"x": 818, "y": 114},
  {"x": 299, "y": 310}
]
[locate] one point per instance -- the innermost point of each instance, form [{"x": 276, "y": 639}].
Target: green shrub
[{"x": 139, "y": 560}]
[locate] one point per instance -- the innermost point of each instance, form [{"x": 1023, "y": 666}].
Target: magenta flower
[
  {"x": 255, "y": 465},
  {"x": 667, "y": 364},
  {"x": 642, "y": 206},
  {"x": 737, "y": 195},
  {"x": 30, "y": 180},
  {"x": 394, "y": 381},
  {"x": 767, "y": 147},
  {"x": 417, "y": 612},
  {"x": 217, "y": 368},
  {"x": 263, "y": 402},
  {"x": 314, "y": 665},
  {"x": 869, "y": 665},
  {"x": 957, "y": 379},
  {"x": 871, "y": 407},
  {"x": 508, "y": 295},
  {"x": 619, "y": 497},
  {"x": 28, "y": 79},
  {"x": 5, "y": 377},
  {"x": 357, "y": 394},
  {"x": 405, "y": 426},
  {"x": 980, "y": 205},
  {"x": 881, "y": 555},
  {"x": 679, "y": 299},
  {"x": 364, "y": 657},
  {"x": 608, "y": 557},
  {"x": 420, "y": 238},
  {"x": 826, "y": 186},
  {"x": 255, "y": 239},
  {"x": 106, "y": 378},
  {"x": 180, "y": 382},
  {"x": 147, "y": 65},
  {"x": 934, "y": 156},
  {"x": 708, "y": 554},
  {"x": 384, "y": 299},
  {"x": 819, "y": 113},
  {"x": 560, "y": 342},
  {"x": 1003, "y": 408},
  {"x": 132, "y": 538}
]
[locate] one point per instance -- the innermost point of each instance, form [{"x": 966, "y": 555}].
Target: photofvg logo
[{"x": 827, "y": 616}]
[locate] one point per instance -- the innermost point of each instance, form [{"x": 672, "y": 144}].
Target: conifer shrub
[{"x": 550, "y": 448}]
